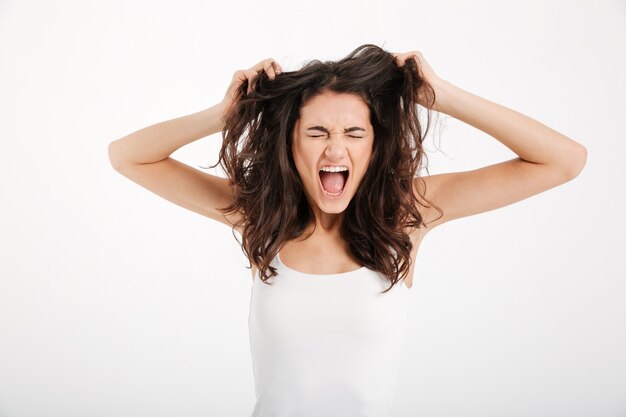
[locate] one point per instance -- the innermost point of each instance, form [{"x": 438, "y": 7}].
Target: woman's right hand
[{"x": 271, "y": 67}]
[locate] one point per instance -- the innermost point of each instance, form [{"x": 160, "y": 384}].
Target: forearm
[
  {"x": 528, "y": 138},
  {"x": 158, "y": 141}
]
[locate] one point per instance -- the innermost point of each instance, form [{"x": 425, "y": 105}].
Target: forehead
[{"x": 331, "y": 108}]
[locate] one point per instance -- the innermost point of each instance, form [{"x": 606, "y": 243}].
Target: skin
[
  {"x": 313, "y": 148},
  {"x": 545, "y": 159}
]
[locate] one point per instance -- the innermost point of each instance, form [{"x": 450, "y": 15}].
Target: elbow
[
  {"x": 577, "y": 162},
  {"x": 114, "y": 157}
]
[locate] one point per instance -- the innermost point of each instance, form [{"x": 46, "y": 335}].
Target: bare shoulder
[{"x": 425, "y": 189}]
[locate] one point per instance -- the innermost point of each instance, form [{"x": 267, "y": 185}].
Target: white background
[{"x": 115, "y": 302}]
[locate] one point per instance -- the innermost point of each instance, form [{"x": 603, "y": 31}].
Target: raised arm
[
  {"x": 546, "y": 158},
  {"x": 144, "y": 156}
]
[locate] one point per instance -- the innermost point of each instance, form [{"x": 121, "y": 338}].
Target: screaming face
[{"x": 332, "y": 145}]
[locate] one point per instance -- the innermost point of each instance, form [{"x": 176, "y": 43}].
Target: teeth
[
  {"x": 335, "y": 194},
  {"x": 334, "y": 169}
]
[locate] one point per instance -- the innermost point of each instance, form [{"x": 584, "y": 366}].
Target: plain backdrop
[{"x": 116, "y": 302}]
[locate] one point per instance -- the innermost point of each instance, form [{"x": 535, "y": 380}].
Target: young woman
[{"x": 322, "y": 186}]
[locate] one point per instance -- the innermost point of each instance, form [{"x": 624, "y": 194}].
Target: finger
[
  {"x": 254, "y": 72},
  {"x": 239, "y": 77},
  {"x": 277, "y": 68},
  {"x": 401, "y": 58},
  {"x": 251, "y": 75},
  {"x": 273, "y": 69},
  {"x": 261, "y": 65},
  {"x": 269, "y": 70}
]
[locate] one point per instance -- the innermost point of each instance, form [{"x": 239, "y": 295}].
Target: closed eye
[{"x": 319, "y": 136}]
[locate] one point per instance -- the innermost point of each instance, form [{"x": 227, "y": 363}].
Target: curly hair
[{"x": 256, "y": 154}]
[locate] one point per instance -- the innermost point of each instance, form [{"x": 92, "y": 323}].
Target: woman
[{"x": 322, "y": 185}]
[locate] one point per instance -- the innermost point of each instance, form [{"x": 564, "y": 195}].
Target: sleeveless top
[{"x": 326, "y": 344}]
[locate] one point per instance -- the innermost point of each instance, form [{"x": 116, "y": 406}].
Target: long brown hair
[{"x": 256, "y": 156}]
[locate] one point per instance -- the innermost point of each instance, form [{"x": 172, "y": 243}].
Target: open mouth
[{"x": 333, "y": 184}]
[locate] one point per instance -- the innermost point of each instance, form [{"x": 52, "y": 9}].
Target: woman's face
[{"x": 334, "y": 130}]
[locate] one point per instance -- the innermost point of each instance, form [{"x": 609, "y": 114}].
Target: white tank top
[{"x": 326, "y": 345}]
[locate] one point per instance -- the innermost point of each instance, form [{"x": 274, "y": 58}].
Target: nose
[{"x": 336, "y": 148}]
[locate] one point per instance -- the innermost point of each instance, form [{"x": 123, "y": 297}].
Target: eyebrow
[{"x": 323, "y": 129}]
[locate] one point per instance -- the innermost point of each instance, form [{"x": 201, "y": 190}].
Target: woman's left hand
[{"x": 425, "y": 72}]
